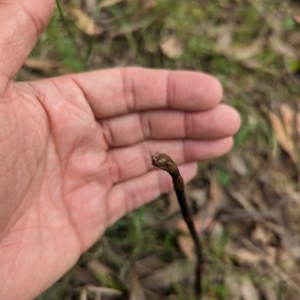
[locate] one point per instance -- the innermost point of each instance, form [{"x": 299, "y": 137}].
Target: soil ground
[{"x": 246, "y": 204}]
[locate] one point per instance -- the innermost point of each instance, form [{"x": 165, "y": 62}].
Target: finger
[
  {"x": 129, "y": 195},
  {"x": 219, "y": 122},
  {"x": 21, "y": 22},
  {"x": 129, "y": 162},
  {"x": 124, "y": 90}
]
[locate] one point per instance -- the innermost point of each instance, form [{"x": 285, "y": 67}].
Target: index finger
[{"x": 124, "y": 90}]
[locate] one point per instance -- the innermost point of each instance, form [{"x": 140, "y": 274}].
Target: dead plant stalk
[{"x": 165, "y": 162}]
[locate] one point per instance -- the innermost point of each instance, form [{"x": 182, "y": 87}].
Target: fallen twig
[{"x": 165, "y": 162}]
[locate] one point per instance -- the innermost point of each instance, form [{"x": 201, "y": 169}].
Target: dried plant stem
[{"x": 164, "y": 162}]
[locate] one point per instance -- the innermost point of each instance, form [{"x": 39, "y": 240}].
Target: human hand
[{"x": 75, "y": 150}]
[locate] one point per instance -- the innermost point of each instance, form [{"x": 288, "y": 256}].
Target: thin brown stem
[{"x": 165, "y": 162}]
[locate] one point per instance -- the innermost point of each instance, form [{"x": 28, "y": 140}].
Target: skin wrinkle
[
  {"x": 57, "y": 207},
  {"x": 114, "y": 168},
  {"x": 74, "y": 224},
  {"x": 23, "y": 17},
  {"x": 130, "y": 197},
  {"x": 184, "y": 147},
  {"x": 83, "y": 94},
  {"x": 145, "y": 125},
  {"x": 81, "y": 141},
  {"x": 187, "y": 125},
  {"x": 35, "y": 122},
  {"x": 16, "y": 192},
  {"x": 61, "y": 162},
  {"x": 107, "y": 132},
  {"x": 145, "y": 151},
  {"x": 83, "y": 98},
  {"x": 23, "y": 152},
  {"x": 5, "y": 87},
  {"x": 170, "y": 90},
  {"x": 128, "y": 91},
  {"x": 78, "y": 187},
  {"x": 112, "y": 160},
  {"x": 39, "y": 227},
  {"x": 17, "y": 258},
  {"x": 96, "y": 151},
  {"x": 58, "y": 169},
  {"x": 57, "y": 187},
  {"x": 40, "y": 94},
  {"x": 36, "y": 21},
  {"x": 61, "y": 110},
  {"x": 76, "y": 106},
  {"x": 83, "y": 177}
]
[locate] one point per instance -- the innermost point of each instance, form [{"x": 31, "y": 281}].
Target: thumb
[{"x": 21, "y": 23}]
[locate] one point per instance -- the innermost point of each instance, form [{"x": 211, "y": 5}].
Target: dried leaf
[
  {"x": 89, "y": 5},
  {"x": 146, "y": 266},
  {"x": 186, "y": 245},
  {"x": 84, "y": 22},
  {"x": 171, "y": 47},
  {"x": 246, "y": 257},
  {"x": 98, "y": 267},
  {"x": 297, "y": 18},
  {"x": 173, "y": 205},
  {"x": 288, "y": 242},
  {"x": 269, "y": 291},
  {"x": 94, "y": 292},
  {"x": 182, "y": 227},
  {"x": 281, "y": 136},
  {"x": 286, "y": 261},
  {"x": 288, "y": 116},
  {"x": 224, "y": 39},
  {"x": 136, "y": 291},
  {"x": 249, "y": 51},
  {"x": 172, "y": 273},
  {"x": 298, "y": 127},
  {"x": 108, "y": 3},
  {"x": 42, "y": 65},
  {"x": 282, "y": 47},
  {"x": 248, "y": 289},
  {"x": 261, "y": 235},
  {"x": 265, "y": 257},
  {"x": 84, "y": 275},
  {"x": 216, "y": 233},
  {"x": 272, "y": 253},
  {"x": 213, "y": 200},
  {"x": 83, "y": 294},
  {"x": 241, "y": 199},
  {"x": 238, "y": 164},
  {"x": 233, "y": 285},
  {"x": 197, "y": 195},
  {"x": 105, "y": 291},
  {"x": 243, "y": 255},
  {"x": 149, "y": 4}
]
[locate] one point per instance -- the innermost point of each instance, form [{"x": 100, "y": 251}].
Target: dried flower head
[{"x": 166, "y": 163}]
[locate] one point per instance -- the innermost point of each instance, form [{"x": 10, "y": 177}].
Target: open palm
[{"x": 75, "y": 150}]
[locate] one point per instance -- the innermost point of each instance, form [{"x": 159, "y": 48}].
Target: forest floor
[{"x": 246, "y": 204}]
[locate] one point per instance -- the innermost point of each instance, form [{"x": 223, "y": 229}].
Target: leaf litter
[{"x": 248, "y": 215}]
